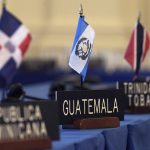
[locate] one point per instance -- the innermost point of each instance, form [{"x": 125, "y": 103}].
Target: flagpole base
[
  {"x": 94, "y": 123},
  {"x": 27, "y": 144}
]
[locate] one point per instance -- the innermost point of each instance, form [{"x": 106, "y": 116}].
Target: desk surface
[
  {"x": 111, "y": 139},
  {"x": 133, "y": 133}
]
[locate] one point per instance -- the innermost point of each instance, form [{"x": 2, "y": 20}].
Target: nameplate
[
  {"x": 74, "y": 105},
  {"x": 28, "y": 120},
  {"x": 138, "y": 95}
]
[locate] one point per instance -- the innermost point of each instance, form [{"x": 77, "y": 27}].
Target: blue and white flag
[
  {"x": 82, "y": 47},
  {"x": 14, "y": 41}
]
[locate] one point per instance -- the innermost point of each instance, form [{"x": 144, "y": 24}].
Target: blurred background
[{"x": 53, "y": 24}]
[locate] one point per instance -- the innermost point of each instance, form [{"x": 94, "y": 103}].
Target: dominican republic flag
[
  {"x": 14, "y": 41},
  {"x": 138, "y": 46},
  {"x": 82, "y": 47}
]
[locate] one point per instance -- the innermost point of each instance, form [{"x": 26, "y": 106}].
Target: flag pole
[
  {"x": 81, "y": 11},
  {"x": 139, "y": 16},
  {"x": 81, "y": 15},
  {"x": 4, "y": 3},
  {"x": 3, "y": 93},
  {"x": 135, "y": 76},
  {"x": 3, "y": 84},
  {"x": 81, "y": 82}
]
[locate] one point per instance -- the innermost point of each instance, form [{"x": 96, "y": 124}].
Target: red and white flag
[
  {"x": 14, "y": 41},
  {"x": 138, "y": 47}
]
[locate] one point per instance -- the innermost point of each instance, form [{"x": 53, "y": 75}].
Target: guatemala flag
[
  {"x": 138, "y": 46},
  {"x": 14, "y": 41},
  {"x": 82, "y": 47}
]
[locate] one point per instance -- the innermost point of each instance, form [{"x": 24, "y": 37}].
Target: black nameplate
[
  {"x": 89, "y": 104},
  {"x": 27, "y": 120},
  {"x": 138, "y": 95}
]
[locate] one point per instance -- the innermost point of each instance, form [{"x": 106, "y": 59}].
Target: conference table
[{"x": 133, "y": 133}]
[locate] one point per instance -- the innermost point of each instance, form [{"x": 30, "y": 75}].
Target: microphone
[
  {"x": 17, "y": 94},
  {"x": 55, "y": 87}
]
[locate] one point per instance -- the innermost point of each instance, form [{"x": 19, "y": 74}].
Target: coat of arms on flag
[
  {"x": 138, "y": 46},
  {"x": 82, "y": 47},
  {"x": 14, "y": 41}
]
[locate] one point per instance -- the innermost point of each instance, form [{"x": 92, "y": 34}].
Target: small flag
[
  {"x": 138, "y": 46},
  {"x": 82, "y": 47},
  {"x": 14, "y": 41}
]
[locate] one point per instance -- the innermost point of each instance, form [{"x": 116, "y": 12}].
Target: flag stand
[
  {"x": 26, "y": 144},
  {"x": 135, "y": 77},
  {"x": 91, "y": 123},
  {"x": 7, "y": 141},
  {"x": 81, "y": 82}
]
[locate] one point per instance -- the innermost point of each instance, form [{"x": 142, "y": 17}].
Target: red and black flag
[{"x": 138, "y": 46}]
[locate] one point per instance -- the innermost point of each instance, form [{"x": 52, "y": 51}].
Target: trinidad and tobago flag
[{"x": 138, "y": 46}]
